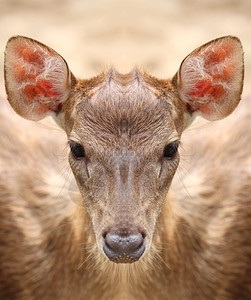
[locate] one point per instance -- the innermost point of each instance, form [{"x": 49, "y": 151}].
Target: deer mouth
[{"x": 124, "y": 258}]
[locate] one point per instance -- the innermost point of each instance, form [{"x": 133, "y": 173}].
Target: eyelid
[
  {"x": 173, "y": 137},
  {"x": 175, "y": 141},
  {"x": 71, "y": 140}
]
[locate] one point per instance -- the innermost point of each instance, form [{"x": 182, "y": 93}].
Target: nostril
[
  {"x": 143, "y": 235},
  {"x": 104, "y": 233}
]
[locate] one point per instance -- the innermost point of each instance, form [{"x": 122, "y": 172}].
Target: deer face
[
  {"x": 124, "y": 141},
  {"x": 124, "y": 130}
]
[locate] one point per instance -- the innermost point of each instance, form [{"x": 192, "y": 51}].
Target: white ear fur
[
  {"x": 37, "y": 79},
  {"x": 210, "y": 79}
]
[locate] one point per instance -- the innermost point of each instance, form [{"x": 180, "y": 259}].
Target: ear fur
[
  {"x": 210, "y": 79},
  {"x": 37, "y": 79}
]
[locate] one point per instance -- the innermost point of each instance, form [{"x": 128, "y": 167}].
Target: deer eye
[
  {"x": 170, "y": 150},
  {"x": 77, "y": 150}
]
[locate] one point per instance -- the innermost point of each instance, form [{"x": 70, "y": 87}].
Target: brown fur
[{"x": 198, "y": 244}]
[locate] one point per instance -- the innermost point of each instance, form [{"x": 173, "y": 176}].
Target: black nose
[{"x": 124, "y": 246}]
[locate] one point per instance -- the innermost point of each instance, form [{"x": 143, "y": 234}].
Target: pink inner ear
[
  {"x": 33, "y": 66},
  {"x": 43, "y": 88},
  {"x": 218, "y": 72},
  {"x": 32, "y": 56},
  {"x": 210, "y": 78},
  {"x": 37, "y": 78},
  {"x": 206, "y": 88}
]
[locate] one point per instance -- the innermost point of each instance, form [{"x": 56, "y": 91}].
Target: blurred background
[{"x": 153, "y": 34}]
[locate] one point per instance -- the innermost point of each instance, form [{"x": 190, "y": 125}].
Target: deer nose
[{"x": 124, "y": 246}]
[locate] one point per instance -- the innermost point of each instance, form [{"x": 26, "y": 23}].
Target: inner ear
[
  {"x": 37, "y": 78},
  {"x": 210, "y": 79}
]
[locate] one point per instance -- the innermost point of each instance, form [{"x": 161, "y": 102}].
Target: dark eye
[
  {"x": 77, "y": 150},
  {"x": 170, "y": 150}
]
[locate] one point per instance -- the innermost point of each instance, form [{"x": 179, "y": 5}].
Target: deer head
[{"x": 124, "y": 130}]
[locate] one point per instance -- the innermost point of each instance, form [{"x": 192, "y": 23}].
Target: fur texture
[{"x": 197, "y": 243}]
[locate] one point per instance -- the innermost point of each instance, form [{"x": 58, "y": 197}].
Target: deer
[{"x": 136, "y": 227}]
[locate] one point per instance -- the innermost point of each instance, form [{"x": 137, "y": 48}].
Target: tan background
[{"x": 154, "y": 34}]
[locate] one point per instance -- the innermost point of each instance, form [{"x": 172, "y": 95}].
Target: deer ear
[
  {"x": 37, "y": 79},
  {"x": 210, "y": 79}
]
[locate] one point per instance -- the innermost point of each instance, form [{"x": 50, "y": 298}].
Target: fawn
[{"x": 131, "y": 236}]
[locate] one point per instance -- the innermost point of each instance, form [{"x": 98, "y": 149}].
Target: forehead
[{"x": 124, "y": 108}]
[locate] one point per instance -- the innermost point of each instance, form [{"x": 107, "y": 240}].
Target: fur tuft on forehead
[{"x": 124, "y": 105}]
